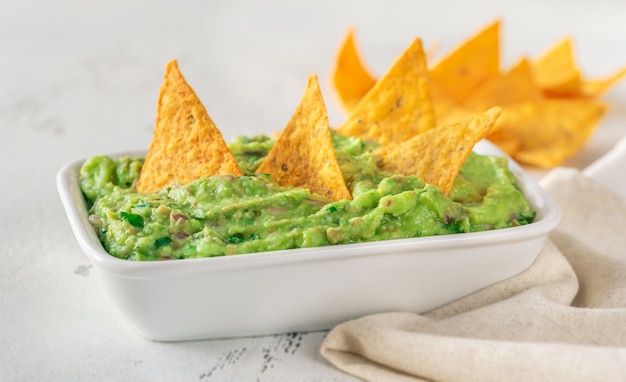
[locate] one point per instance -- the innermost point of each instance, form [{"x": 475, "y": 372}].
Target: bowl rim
[{"x": 548, "y": 217}]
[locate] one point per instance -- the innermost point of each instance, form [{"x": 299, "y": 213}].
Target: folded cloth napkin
[{"x": 562, "y": 319}]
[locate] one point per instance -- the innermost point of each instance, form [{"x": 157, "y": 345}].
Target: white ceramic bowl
[
  {"x": 306, "y": 289},
  {"x": 608, "y": 170}
]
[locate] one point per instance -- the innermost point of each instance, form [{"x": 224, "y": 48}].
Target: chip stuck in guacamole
[{"x": 195, "y": 196}]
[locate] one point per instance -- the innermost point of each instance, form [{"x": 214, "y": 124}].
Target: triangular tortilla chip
[
  {"x": 436, "y": 156},
  {"x": 399, "y": 106},
  {"x": 509, "y": 131},
  {"x": 502, "y": 138},
  {"x": 351, "y": 79},
  {"x": 556, "y": 73},
  {"x": 303, "y": 155},
  {"x": 595, "y": 88},
  {"x": 558, "y": 76},
  {"x": 471, "y": 64},
  {"x": 548, "y": 131},
  {"x": 514, "y": 86},
  {"x": 447, "y": 112},
  {"x": 186, "y": 144}
]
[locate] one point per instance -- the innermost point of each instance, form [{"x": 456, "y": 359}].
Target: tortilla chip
[
  {"x": 447, "y": 112},
  {"x": 351, "y": 79},
  {"x": 595, "y": 88},
  {"x": 474, "y": 62},
  {"x": 186, "y": 144},
  {"x": 303, "y": 155},
  {"x": 549, "y": 131},
  {"x": 436, "y": 156},
  {"x": 556, "y": 72},
  {"x": 502, "y": 138},
  {"x": 508, "y": 133},
  {"x": 399, "y": 106},
  {"x": 515, "y": 86}
]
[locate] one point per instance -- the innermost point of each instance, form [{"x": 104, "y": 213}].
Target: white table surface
[{"x": 79, "y": 78}]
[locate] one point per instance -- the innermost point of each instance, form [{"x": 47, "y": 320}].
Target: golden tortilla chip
[
  {"x": 186, "y": 144},
  {"x": 548, "y": 131},
  {"x": 350, "y": 77},
  {"x": 474, "y": 62},
  {"x": 595, "y": 88},
  {"x": 558, "y": 76},
  {"x": 508, "y": 131},
  {"x": 399, "y": 106},
  {"x": 436, "y": 156},
  {"x": 556, "y": 72},
  {"x": 447, "y": 112},
  {"x": 509, "y": 144},
  {"x": 303, "y": 155},
  {"x": 515, "y": 86}
]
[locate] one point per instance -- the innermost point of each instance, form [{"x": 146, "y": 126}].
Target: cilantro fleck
[
  {"x": 134, "y": 219},
  {"x": 236, "y": 238},
  {"x": 162, "y": 242}
]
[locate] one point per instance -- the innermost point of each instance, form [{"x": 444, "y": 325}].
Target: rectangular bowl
[{"x": 311, "y": 288}]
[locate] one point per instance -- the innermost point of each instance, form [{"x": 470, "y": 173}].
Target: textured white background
[{"x": 79, "y": 78}]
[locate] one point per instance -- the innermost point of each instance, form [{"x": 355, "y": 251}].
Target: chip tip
[
  {"x": 350, "y": 32},
  {"x": 312, "y": 78},
  {"x": 494, "y": 111},
  {"x": 417, "y": 42},
  {"x": 172, "y": 64}
]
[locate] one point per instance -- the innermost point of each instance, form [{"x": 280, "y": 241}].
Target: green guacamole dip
[{"x": 227, "y": 215}]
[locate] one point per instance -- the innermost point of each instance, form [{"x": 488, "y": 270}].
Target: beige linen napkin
[{"x": 563, "y": 319}]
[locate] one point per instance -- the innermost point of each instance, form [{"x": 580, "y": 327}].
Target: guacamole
[{"x": 228, "y": 215}]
